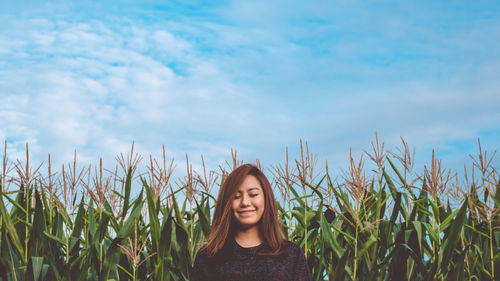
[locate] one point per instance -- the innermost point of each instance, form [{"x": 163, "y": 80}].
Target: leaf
[
  {"x": 204, "y": 218},
  {"x": 55, "y": 238},
  {"x": 10, "y": 227},
  {"x": 128, "y": 188},
  {"x": 418, "y": 228},
  {"x": 497, "y": 257},
  {"x": 79, "y": 221},
  {"x": 36, "y": 233},
  {"x": 390, "y": 184},
  {"x": 452, "y": 240},
  {"x": 297, "y": 197},
  {"x": 396, "y": 208},
  {"x": 446, "y": 222},
  {"x": 371, "y": 240},
  {"x": 113, "y": 252},
  {"x": 154, "y": 222},
  {"x": 37, "y": 267},
  {"x": 103, "y": 223},
  {"x": 326, "y": 234},
  {"x": 340, "y": 268},
  {"x": 432, "y": 233},
  {"x": 178, "y": 214},
  {"x": 166, "y": 238}
]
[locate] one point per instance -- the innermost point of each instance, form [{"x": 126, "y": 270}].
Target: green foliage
[{"x": 393, "y": 225}]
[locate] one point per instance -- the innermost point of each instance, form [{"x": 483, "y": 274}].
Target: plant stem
[
  {"x": 67, "y": 250},
  {"x": 491, "y": 253},
  {"x": 290, "y": 217},
  {"x": 100, "y": 244},
  {"x": 26, "y": 233},
  {"x": 191, "y": 250},
  {"x": 305, "y": 229},
  {"x": 355, "y": 253}
]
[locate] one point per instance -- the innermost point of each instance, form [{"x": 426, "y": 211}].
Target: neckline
[
  {"x": 252, "y": 247},
  {"x": 247, "y": 248}
]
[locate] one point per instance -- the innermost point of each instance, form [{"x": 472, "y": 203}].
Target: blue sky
[{"x": 256, "y": 76}]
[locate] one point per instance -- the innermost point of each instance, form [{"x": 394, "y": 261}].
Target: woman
[{"x": 246, "y": 242}]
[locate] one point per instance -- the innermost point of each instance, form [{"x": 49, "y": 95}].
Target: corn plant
[{"x": 137, "y": 223}]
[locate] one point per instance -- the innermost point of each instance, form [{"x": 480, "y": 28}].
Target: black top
[{"x": 234, "y": 262}]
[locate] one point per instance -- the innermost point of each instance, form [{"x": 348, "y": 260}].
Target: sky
[{"x": 202, "y": 77}]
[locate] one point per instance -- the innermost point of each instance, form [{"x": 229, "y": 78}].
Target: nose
[{"x": 245, "y": 201}]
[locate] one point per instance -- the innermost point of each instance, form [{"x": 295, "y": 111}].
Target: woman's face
[{"x": 248, "y": 202}]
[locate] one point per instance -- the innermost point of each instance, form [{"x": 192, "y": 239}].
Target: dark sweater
[{"x": 234, "y": 262}]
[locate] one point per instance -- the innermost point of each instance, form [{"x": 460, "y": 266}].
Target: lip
[{"x": 246, "y": 212}]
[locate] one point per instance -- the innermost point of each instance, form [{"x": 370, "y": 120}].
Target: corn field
[{"x": 136, "y": 222}]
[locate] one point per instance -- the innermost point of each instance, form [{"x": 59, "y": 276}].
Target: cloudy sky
[{"x": 256, "y": 76}]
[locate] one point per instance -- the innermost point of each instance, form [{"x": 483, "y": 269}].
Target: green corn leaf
[
  {"x": 418, "y": 229},
  {"x": 128, "y": 226},
  {"x": 396, "y": 208},
  {"x": 35, "y": 243},
  {"x": 113, "y": 252},
  {"x": 204, "y": 217},
  {"x": 55, "y": 238},
  {"x": 37, "y": 267},
  {"x": 128, "y": 188},
  {"x": 447, "y": 221},
  {"x": 395, "y": 169},
  {"x": 166, "y": 238},
  {"x": 178, "y": 213},
  {"x": 154, "y": 222},
  {"x": 297, "y": 197},
  {"x": 390, "y": 184},
  {"x": 15, "y": 203},
  {"x": 432, "y": 233},
  {"x": 452, "y": 240},
  {"x": 339, "y": 272},
  {"x": 103, "y": 223},
  {"x": 6, "y": 220},
  {"x": 79, "y": 221},
  {"x": 497, "y": 257},
  {"x": 435, "y": 211},
  {"x": 315, "y": 188},
  {"x": 124, "y": 270},
  {"x": 327, "y": 235},
  {"x": 346, "y": 235},
  {"x": 366, "y": 246}
]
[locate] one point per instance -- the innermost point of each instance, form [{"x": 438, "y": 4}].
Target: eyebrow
[{"x": 250, "y": 189}]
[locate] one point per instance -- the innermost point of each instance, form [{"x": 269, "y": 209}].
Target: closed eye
[{"x": 239, "y": 196}]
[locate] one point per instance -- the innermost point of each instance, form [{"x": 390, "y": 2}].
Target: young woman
[{"x": 246, "y": 242}]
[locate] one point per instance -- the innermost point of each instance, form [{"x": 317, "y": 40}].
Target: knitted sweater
[{"x": 234, "y": 262}]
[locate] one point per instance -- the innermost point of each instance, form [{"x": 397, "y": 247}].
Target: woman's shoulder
[
  {"x": 291, "y": 246},
  {"x": 290, "y": 249},
  {"x": 202, "y": 253},
  {"x": 203, "y": 259},
  {"x": 297, "y": 259}
]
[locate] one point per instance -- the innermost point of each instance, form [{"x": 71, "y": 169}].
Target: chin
[{"x": 247, "y": 225}]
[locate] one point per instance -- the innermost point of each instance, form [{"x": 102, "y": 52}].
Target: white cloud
[
  {"x": 96, "y": 89},
  {"x": 167, "y": 42},
  {"x": 257, "y": 83}
]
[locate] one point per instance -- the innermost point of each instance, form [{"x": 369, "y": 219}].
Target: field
[{"x": 387, "y": 223}]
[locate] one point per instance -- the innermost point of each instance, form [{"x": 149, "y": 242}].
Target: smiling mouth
[{"x": 245, "y": 212}]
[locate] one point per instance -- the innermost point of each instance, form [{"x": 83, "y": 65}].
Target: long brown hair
[{"x": 223, "y": 225}]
